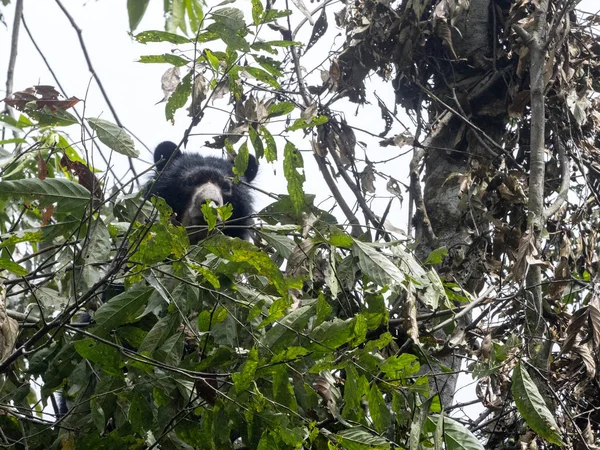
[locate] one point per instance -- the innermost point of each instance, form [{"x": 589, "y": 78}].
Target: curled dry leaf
[
  {"x": 85, "y": 176},
  {"x": 40, "y": 96},
  {"x": 169, "y": 82},
  {"x": 367, "y": 179}
]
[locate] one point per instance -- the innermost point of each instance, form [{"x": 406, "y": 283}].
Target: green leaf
[
  {"x": 532, "y": 407},
  {"x": 175, "y": 14},
  {"x": 418, "y": 421},
  {"x": 292, "y": 161},
  {"x": 179, "y": 98},
  {"x": 13, "y": 267},
  {"x": 281, "y": 109},
  {"x": 159, "y": 333},
  {"x": 400, "y": 367},
  {"x": 300, "y": 124},
  {"x": 210, "y": 215},
  {"x": 377, "y": 266},
  {"x": 240, "y": 162},
  {"x": 264, "y": 76},
  {"x": 51, "y": 117},
  {"x": 282, "y": 388},
  {"x": 456, "y": 436},
  {"x": 165, "y": 58},
  {"x": 136, "y": 10},
  {"x": 331, "y": 335},
  {"x": 242, "y": 380},
  {"x": 360, "y": 439},
  {"x": 68, "y": 195},
  {"x": 282, "y": 244},
  {"x": 108, "y": 357},
  {"x": 160, "y": 36},
  {"x": 212, "y": 59},
  {"x": 114, "y": 137},
  {"x": 324, "y": 310},
  {"x": 231, "y": 37},
  {"x": 271, "y": 150},
  {"x": 257, "y": 144},
  {"x": 236, "y": 250},
  {"x": 171, "y": 350},
  {"x": 437, "y": 256},
  {"x": 122, "y": 309},
  {"x": 380, "y": 414},
  {"x": 140, "y": 412},
  {"x": 231, "y": 18},
  {"x": 282, "y": 335},
  {"x": 257, "y": 11}
]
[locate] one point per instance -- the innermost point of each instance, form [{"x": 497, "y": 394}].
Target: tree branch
[{"x": 14, "y": 47}]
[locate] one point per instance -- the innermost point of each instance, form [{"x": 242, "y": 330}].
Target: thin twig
[
  {"x": 96, "y": 77},
  {"x": 12, "y": 61}
]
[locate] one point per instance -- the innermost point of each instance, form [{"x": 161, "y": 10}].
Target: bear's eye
[{"x": 226, "y": 186}]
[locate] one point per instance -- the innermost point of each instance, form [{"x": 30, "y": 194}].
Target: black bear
[{"x": 187, "y": 180}]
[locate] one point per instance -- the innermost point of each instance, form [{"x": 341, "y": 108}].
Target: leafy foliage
[{"x": 320, "y": 333}]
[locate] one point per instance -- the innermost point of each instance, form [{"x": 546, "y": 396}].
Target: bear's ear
[
  {"x": 165, "y": 152},
  {"x": 252, "y": 169}
]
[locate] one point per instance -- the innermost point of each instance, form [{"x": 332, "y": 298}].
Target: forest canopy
[{"x": 328, "y": 327}]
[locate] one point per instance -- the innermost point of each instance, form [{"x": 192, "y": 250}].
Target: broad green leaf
[
  {"x": 416, "y": 427},
  {"x": 240, "y": 162},
  {"x": 300, "y": 124},
  {"x": 108, "y": 357},
  {"x": 136, "y": 10},
  {"x": 243, "y": 379},
  {"x": 282, "y": 388},
  {"x": 166, "y": 58},
  {"x": 114, "y": 137},
  {"x": 380, "y": 413},
  {"x": 456, "y": 436},
  {"x": 122, "y": 309},
  {"x": 257, "y": 11},
  {"x": 264, "y": 76},
  {"x": 171, "y": 351},
  {"x": 179, "y": 97},
  {"x": 140, "y": 412},
  {"x": 13, "y": 267},
  {"x": 359, "y": 438},
  {"x": 282, "y": 244},
  {"x": 400, "y": 367},
  {"x": 236, "y": 250},
  {"x": 292, "y": 161},
  {"x": 331, "y": 335},
  {"x": 257, "y": 144},
  {"x": 437, "y": 256},
  {"x": 210, "y": 215},
  {"x": 68, "y": 195},
  {"x": 160, "y": 36},
  {"x": 52, "y": 117},
  {"x": 377, "y": 266},
  {"x": 160, "y": 332},
  {"x": 175, "y": 14},
  {"x": 271, "y": 150},
  {"x": 286, "y": 331},
  {"x": 231, "y": 18},
  {"x": 281, "y": 109},
  {"x": 532, "y": 407}
]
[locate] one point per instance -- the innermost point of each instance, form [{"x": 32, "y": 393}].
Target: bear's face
[{"x": 188, "y": 181}]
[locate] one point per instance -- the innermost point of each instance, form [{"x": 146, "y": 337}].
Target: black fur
[{"x": 183, "y": 175}]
